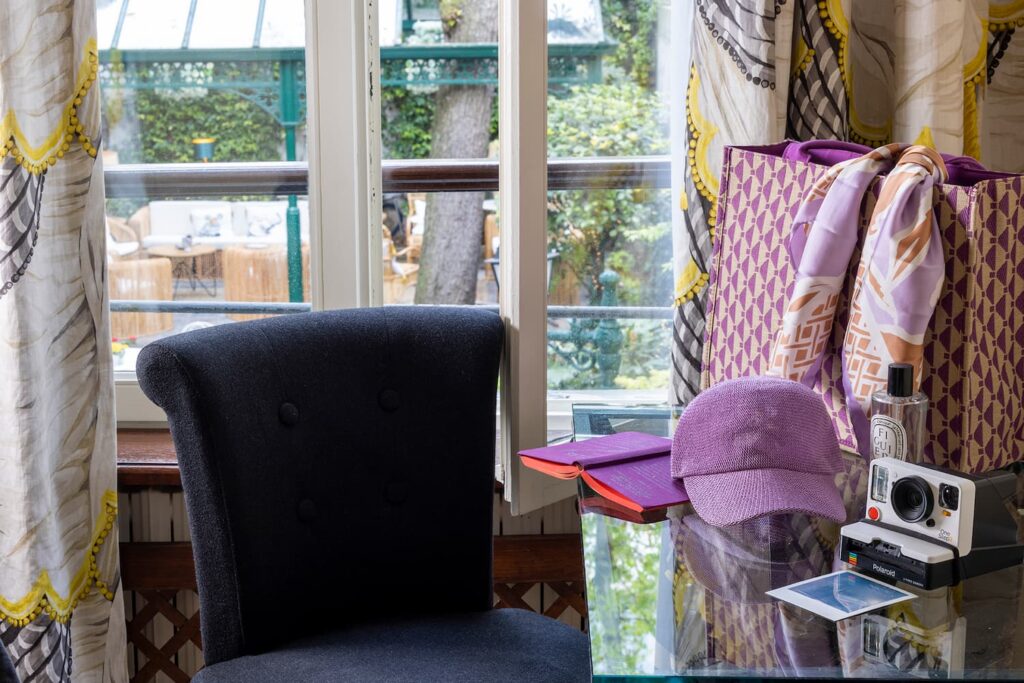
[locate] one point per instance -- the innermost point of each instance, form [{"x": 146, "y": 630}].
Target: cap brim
[{"x": 730, "y": 498}]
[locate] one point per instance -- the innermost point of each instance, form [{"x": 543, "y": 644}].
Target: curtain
[
  {"x": 61, "y": 608},
  {"x": 945, "y": 73}
]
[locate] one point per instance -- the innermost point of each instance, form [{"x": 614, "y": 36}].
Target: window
[
  {"x": 439, "y": 88},
  {"x": 200, "y": 230},
  {"x": 609, "y": 315},
  {"x": 420, "y": 219},
  {"x": 608, "y": 251}
]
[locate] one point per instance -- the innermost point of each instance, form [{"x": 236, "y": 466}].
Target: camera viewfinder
[{"x": 880, "y": 484}]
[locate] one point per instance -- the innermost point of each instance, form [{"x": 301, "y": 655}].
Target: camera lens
[
  {"x": 912, "y": 499},
  {"x": 949, "y": 496}
]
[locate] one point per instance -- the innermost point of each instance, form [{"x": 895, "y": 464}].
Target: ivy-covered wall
[{"x": 154, "y": 126}]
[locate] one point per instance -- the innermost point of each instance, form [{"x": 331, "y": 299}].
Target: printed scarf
[{"x": 898, "y": 280}]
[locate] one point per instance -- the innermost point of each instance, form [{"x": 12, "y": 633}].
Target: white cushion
[
  {"x": 210, "y": 222},
  {"x": 265, "y": 220},
  {"x": 171, "y": 217},
  {"x": 219, "y": 242},
  {"x": 120, "y": 249}
]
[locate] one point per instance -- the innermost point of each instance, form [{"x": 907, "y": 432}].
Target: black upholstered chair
[{"x": 338, "y": 472}]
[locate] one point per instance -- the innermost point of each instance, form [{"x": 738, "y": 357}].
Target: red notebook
[{"x": 629, "y": 468}]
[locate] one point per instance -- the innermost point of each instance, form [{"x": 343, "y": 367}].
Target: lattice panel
[
  {"x": 159, "y": 620},
  {"x": 566, "y": 595},
  {"x": 158, "y": 616}
]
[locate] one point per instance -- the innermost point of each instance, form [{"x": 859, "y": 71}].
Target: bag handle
[{"x": 965, "y": 171}]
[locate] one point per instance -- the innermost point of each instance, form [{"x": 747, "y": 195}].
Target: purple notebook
[{"x": 629, "y": 468}]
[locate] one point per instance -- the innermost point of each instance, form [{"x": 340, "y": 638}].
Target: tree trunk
[{"x": 454, "y": 220}]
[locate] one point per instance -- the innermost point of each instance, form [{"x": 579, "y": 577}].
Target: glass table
[{"x": 671, "y": 598}]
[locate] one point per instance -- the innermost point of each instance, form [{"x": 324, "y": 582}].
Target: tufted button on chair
[
  {"x": 288, "y": 414},
  {"x": 338, "y": 473}
]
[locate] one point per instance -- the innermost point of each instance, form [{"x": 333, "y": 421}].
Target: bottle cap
[{"x": 901, "y": 379}]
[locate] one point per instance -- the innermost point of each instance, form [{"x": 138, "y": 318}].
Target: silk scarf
[{"x": 898, "y": 279}]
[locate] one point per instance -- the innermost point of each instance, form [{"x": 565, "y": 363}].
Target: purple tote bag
[{"x": 974, "y": 355}]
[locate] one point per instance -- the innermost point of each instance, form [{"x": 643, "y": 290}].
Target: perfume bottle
[{"x": 899, "y": 417}]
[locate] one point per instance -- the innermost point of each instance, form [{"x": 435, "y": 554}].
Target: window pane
[
  {"x": 404, "y": 226},
  {"x": 439, "y": 75},
  {"x": 598, "y": 271},
  {"x": 613, "y": 240},
  {"x": 196, "y": 252},
  {"x": 607, "y": 99},
  {"x": 146, "y": 264}
]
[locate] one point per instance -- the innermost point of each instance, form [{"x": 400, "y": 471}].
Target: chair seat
[{"x": 499, "y": 645}]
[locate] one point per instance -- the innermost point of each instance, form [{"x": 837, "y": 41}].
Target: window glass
[
  {"x": 608, "y": 103},
  {"x": 439, "y": 76},
  {"x": 198, "y": 84},
  {"x": 609, "y": 218},
  {"x": 402, "y": 234}
]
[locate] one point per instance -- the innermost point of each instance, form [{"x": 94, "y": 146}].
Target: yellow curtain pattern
[
  {"x": 948, "y": 74},
  {"x": 61, "y": 605}
]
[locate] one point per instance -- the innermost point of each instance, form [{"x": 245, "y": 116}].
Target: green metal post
[
  {"x": 595, "y": 76},
  {"x": 289, "y": 119},
  {"x": 608, "y": 337}
]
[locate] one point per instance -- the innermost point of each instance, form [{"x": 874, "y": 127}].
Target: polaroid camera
[{"x": 929, "y": 527}]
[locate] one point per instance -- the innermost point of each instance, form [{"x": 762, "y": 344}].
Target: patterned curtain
[
  {"x": 945, "y": 73},
  {"x": 61, "y": 608}
]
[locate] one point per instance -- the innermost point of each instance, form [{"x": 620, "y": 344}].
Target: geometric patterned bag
[{"x": 973, "y": 369}]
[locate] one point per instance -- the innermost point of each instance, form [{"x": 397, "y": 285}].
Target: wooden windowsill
[
  {"x": 517, "y": 559},
  {"x": 146, "y": 458}
]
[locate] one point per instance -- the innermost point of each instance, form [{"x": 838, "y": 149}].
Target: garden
[{"x": 593, "y": 231}]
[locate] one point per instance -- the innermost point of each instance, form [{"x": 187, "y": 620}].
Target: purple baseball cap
[{"x": 758, "y": 446}]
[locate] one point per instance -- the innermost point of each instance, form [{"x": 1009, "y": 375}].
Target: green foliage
[
  {"x": 626, "y": 230},
  {"x": 408, "y": 117},
  {"x": 169, "y": 120},
  {"x": 633, "y": 25},
  {"x": 622, "y": 579}
]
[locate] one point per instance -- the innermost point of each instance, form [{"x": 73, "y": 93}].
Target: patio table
[
  {"x": 677, "y": 599},
  {"x": 186, "y": 265}
]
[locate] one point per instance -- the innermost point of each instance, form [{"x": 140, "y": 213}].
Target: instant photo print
[{"x": 841, "y": 595}]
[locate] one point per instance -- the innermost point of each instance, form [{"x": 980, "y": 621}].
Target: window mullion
[
  {"x": 522, "y": 182},
  {"x": 343, "y": 112}
]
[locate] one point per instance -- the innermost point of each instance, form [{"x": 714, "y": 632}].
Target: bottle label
[{"x": 888, "y": 438}]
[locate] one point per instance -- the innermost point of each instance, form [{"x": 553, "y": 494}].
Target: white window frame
[
  {"x": 343, "y": 124},
  {"x": 522, "y": 196},
  {"x": 341, "y": 60}
]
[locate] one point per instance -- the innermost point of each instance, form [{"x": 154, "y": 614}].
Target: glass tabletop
[{"x": 672, "y": 598}]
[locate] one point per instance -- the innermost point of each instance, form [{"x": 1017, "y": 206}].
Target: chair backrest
[{"x": 336, "y": 466}]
